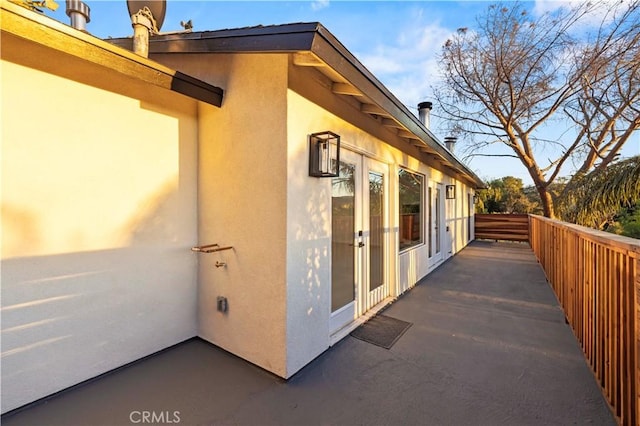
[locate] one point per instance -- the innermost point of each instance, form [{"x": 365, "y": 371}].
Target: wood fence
[
  {"x": 596, "y": 277},
  {"x": 509, "y": 227}
]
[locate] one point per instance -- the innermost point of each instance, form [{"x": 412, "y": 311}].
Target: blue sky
[{"x": 398, "y": 41}]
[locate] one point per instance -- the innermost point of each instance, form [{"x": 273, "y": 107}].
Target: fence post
[{"x": 636, "y": 346}]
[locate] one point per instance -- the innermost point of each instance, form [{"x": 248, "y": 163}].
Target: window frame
[{"x": 420, "y": 214}]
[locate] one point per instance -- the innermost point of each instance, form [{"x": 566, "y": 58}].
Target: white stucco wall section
[
  {"x": 460, "y": 217},
  {"x": 98, "y": 217},
  {"x": 255, "y": 195},
  {"x": 242, "y": 194},
  {"x": 308, "y": 238},
  {"x": 243, "y": 203},
  {"x": 309, "y": 222}
]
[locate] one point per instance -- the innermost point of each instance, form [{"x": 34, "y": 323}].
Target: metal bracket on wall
[{"x": 211, "y": 248}]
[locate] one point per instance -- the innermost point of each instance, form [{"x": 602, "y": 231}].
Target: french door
[
  {"x": 359, "y": 241},
  {"x": 436, "y": 221}
]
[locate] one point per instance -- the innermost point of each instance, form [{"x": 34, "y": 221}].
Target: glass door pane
[
  {"x": 431, "y": 216},
  {"x": 376, "y": 230},
  {"x": 470, "y": 207},
  {"x": 343, "y": 237},
  {"x": 437, "y": 219}
]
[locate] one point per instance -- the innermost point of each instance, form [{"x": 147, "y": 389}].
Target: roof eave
[
  {"x": 263, "y": 39},
  {"x": 41, "y": 30},
  {"x": 385, "y": 100},
  {"x": 324, "y": 48}
]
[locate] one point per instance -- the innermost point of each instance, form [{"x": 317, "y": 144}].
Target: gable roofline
[{"x": 316, "y": 46}]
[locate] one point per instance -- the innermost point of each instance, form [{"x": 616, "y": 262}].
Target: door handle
[{"x": 360, "y": 244}]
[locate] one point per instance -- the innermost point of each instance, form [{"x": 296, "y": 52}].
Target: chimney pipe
[
  {"x": 79, "y": 13},
  {"x": 450, "y": 142},
  {"x": 424, "y": 113}
]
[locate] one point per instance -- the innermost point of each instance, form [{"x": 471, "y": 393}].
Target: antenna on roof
[
  {"x": 158, "y": 9},
  {"x": 146, "y": 18}
]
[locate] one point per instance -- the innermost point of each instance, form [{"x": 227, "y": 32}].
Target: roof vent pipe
[
  {"x": 449, "y": 142},
  {"x": 143, "y": 24},
  {"x": 424, "y": 113},
  {"x": 79, "y": 13}
]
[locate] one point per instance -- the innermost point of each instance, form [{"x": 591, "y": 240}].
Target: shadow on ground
[{"x": 488, "y": 346}]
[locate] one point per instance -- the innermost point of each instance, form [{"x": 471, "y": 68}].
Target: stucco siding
[
  {"x": 309, "y": 227},
  {"x": 243, "y": 181},
  {"x": 308, "y": 238},
  {"x": 312, "y": 107},
  {"x": 98, "y": 216},
  {"x": 309, "y": 222}
]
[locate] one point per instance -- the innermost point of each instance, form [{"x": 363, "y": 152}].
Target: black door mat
[{"x": 381, "y": 330}]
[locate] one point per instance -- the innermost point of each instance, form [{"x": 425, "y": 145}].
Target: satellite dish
[{"x": 158, "y": 9}]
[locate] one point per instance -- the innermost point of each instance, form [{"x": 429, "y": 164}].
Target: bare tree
[{"x": 508, "y": 81}]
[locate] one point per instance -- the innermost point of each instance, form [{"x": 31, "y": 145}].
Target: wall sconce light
[
  {"x": 451, "y": 192},
  {"x": 324, "y": 154}
]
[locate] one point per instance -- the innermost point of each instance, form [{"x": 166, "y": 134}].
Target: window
[
  {"x": 410, "y": 188},
  {"x": 430, "y": 221},
  {"x": 469, "y": 215}
]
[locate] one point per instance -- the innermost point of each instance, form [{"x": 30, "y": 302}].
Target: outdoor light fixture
[
  {"x": 324, "y": 154},
  {"x": 451, "y": 192}
]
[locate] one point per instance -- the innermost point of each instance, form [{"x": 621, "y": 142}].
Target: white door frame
[
  {"x": 371, "y": 298},
  {"x": 364, "y": 299},
  {"x": 437, "y": 222},
  {"x": 344, "y": 315}
]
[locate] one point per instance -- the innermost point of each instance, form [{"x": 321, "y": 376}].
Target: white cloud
[
  {"x": 599, "y": 13},
  {"x": 319, "y": 4},
  {"x": 408, "y": 64},
  {"x": 381, "y": 63},
  {"x": 544, "y": 6}
]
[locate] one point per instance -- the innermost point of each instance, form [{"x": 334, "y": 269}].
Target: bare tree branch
[{"x": 510, "y": 77}]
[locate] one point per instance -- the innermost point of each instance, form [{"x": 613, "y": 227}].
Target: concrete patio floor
[{"x": 488, "y": 346}]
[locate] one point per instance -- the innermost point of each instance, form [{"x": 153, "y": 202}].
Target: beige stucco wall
[
  {"x": 99, "y": 195},
  {"x": 243, "y": 202},
  {"x": 256, "y": 195}
]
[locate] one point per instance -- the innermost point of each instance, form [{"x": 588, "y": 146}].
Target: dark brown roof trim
[
  {"x": 313, "y": 37},
  {"x": 389, "y": 102},
  {"x": 19, "y": 22},
  {"x": 277, "y": 38}
]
